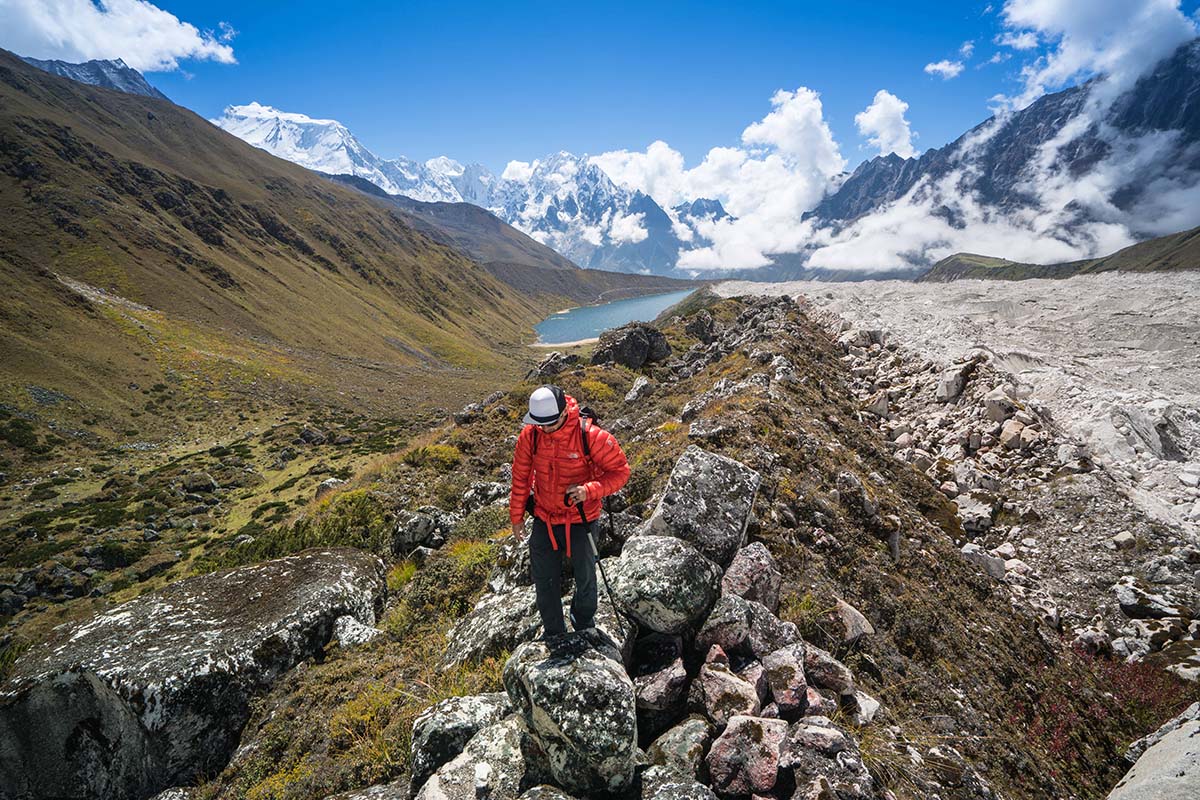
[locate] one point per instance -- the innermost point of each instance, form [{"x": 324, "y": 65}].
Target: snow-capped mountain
[
  {"x": 115, "y": 74},
  {"x": 326, "y": 145},
  {"x": 563, "y": 201}
]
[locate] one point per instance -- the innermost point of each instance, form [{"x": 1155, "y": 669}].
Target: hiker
[{"x": 562, "y": 470}]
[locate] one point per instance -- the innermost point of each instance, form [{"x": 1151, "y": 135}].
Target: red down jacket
[{"x": 558, "y": 465}]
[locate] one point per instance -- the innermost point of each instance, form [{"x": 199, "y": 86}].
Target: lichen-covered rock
[
  {"x": 349, "y": 632},
  {"x": 661, "y": 783},
  {"x": 683, "y": 747},
  {"x": 428, "y": 526},
  {"x": 722, "y": 695},
  {"x": 745, "y": 758},
  {"x": 499, "y": 762},
  {"x": 442, "y": 731},
  {"x": 825, "y": 760},
  {"x": 397, "y": 790},
  {"x": 826, "y": 671},
  {"x": 546, "y": 792},
  {"x": 768, "y": 633},
  {"x": 753, "y": 575},
  {"x": 498, "y": 622},
  {"x": 580, "y": 707},
  {"x": 727, "y": 625},
  {"x": 154, "y": 692},
  {"x": 631, "y": 345},
  {"x": 665, "y": 583},
  {"x": 785, "y": 676},
  {"x": 707, "y": 502}
]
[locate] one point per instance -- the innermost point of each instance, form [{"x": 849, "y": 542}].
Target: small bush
[
  {"x": 597, "y": 391},
  {"x": 442, "y": 457},
  {"x": 483, "y": 523},
  {"x": 400, "y": 574}
]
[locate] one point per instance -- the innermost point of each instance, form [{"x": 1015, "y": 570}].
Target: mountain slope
[
  {"x": 196, "y": 258},
  {"x": 1178, "y": 251},
  {"x": 113, "y": 74}
]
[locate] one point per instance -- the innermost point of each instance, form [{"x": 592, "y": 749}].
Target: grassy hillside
[
  {"x": 1175, "y": 252},
  {"x": 141, "y": 246}
]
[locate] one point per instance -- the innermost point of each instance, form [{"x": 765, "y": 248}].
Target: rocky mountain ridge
[
  {"x": 803, "y": 621},
  {"x": 110, "y": 74}
]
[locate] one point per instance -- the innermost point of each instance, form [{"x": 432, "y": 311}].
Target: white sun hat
[{"x": 546, "y": 405}]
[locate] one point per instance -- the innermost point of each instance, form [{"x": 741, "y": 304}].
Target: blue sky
[{"x": 491, "y": 82}]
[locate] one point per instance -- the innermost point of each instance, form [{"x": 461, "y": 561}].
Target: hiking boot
[{"x": 590, "y": 626}]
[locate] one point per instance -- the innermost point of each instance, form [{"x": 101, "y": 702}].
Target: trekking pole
[{"x": 596, "y": 555}]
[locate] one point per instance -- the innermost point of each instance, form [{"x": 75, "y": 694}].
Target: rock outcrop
[{"x": 154, "y": 692}]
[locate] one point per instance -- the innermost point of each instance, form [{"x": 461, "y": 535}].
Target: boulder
[
  {"x": 745, "y": 758},
  {"x": 199, "y": 483},
  {"x": 1138, "y": 604},
  {"x": 498, "y": 622},
  {"x": 702, "y": 326},
  {"x": 989, "y": 563},
  {"x": 641, "y": 389},
  {"x": 767, "y": 632},
  {"x": 852, "y": 622},
  {"x": 580, "y": 707},
  {"x": 552, "y": 365},
  {"x": 998, "y": 405},
  {"x": 753, "y": 575},
  {"x": 326, "y": 486},
  {"x": 682, "y": 748},
  {"x": 727, "y": 625},
  {"x": 546, "y": 792},
  {"x": 428, "y": 526},
  {"x": 441, "y": 731},
  {"x": 631, "y": 345},
  {"x": 349, "y": 632},
  {"x": 154, "y": 693},
  {"x": 661, "y": 783},
  {"x": 952, "y": 381},
  {"x": 825, "y": 671},
  {"x": 785, "y": 676},
  {"x": 721, "y": 695},
  {"x": 1010, "y": 435},
  {"x": 499, "y": 762},
  {"x": 665, "y": 583},
  {"x": 707, "y": 503}
]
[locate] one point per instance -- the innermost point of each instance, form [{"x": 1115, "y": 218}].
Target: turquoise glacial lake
[{"x": 588, "y": 322}]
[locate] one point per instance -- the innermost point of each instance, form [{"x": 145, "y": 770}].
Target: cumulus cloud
[
  {"x": 786, "y": 162},
  {"x": 884, "y": 125},
  {"x": 518, "y": 171},
  {"x": 966, "y": 49},
  {"x": 1117, "y": 38},
  {"x": 143, "y": 35},
  {"x": 945, "y": 69},
  {"x": 1025, "y": 40},
  {"x": 627, "y": 228}
]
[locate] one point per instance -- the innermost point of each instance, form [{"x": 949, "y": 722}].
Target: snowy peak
[
  {"x": 113, "y": 74},
  {"x": 326, "y": 145},
  {"x": 562, "y": 200}
]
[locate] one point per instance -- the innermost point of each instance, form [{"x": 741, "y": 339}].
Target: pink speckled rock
[{"x": 745, "y": 758}]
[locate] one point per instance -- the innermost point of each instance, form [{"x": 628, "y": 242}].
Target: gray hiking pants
[{"x": 545, "y": 567}]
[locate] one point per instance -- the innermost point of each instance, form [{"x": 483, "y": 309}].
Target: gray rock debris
[
  {"x": 499, "y": 762},
  {"x": 154, "y": 692}
]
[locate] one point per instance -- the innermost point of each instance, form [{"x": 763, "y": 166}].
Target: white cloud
[
  {"x": 884, "y": 125},
  {"x": 999, "y": 58},
  {"x": 1117, "y": 38},
  {"x": 787, "y": 161},
  {"x": 520, "y": 171},
  {"x": 1024, "y": 40},
  {"x": 967, "y": 48},
  {"x": 945, "y": 69},
  {"x": 628, "y": 228},
  {"x": 143, "y": 35}
]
